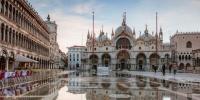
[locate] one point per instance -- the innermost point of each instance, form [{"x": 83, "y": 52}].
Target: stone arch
[
  {"x": 154, "y": 59},
  {"x": 186, "y": 57},
  {"x": 141, "y": 61},
  {"x": 189, "y": 57},
  {"x": 180, "y": 57},
  {"x": 183, "y": 57},
  {"x": 188, "y": 65},
  {"x": 106, "y": 59},
  {"x": 189, "y": 44},
  {"x": 123, "y": 43},
  {"x": 93, "y": 59},
  {"x": 181, "y": 66},
  {"x": 123, "y": 59}
]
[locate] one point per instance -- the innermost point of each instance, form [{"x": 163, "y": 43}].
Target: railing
[{"x": 10, "y": 82}]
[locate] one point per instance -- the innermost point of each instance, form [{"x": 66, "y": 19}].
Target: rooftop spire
[
  {"x": 160, "y": 30},
  {"x": 146, "y": 30},
  {"x": 102, "y": 28},
  {"x": 48, "y": 18},
  {"x": 124, "y": 19},
  {"x": 133, "y": 31},
  {"x": 112, "y": 32},
  {"x": 88, "y": 36}
]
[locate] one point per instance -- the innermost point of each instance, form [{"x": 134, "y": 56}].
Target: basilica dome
[
  {"x": 102, "y": 37},
  {"x": 124, "y": 28},
  {"x": 146, "y": 37}
]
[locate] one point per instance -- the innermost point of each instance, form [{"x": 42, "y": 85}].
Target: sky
[{"x": 74, "y": 17}]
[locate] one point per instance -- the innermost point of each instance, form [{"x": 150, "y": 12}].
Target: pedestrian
[
  {"x": 175, "y": 69},
  {"x": 170, "y": 68},
  {"x": 153, "y": 67},
  {"x": 163, "y": 69}
]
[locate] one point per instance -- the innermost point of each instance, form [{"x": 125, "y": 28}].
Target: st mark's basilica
[{"x": 126, "y": 51}]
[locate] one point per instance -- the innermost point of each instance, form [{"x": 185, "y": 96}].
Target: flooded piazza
[
  {"x": 124, "y": 86},
  {"x": 99, "y": 50}
]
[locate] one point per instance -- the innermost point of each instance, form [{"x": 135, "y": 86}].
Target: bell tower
[{"x": 52, "y": 28}]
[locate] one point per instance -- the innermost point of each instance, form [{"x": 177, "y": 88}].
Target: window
[
  {"x": 189, "y": 44},
  {"x": 179, "y": 57}
]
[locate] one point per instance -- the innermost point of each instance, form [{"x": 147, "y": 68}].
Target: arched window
[
  {"x": 186, "y": 57},
  {"x": 189, "y": 57},
  {"x": 179, "y": 57},
  {"x": 183, "y": 57},
  {"x": 189, "y": 44},
  {"x": 123, "y": 43}
]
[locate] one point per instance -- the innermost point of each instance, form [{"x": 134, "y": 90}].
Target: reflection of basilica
[
  {"x": 126, "y": 88},
  {"x": 126, "y": 51}
]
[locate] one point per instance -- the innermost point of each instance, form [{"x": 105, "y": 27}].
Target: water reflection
[{"x": 120, "y": 86}]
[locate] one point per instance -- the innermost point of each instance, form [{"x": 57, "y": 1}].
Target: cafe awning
[{"x": 20, "y": 58}]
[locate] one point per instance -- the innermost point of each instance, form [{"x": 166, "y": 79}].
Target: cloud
[
  {"x": 82, "y": 8},
  {"x": 73, "y": 29},
  {"x": 86, "y": 7},
  {"x": 74, "y": 16}
]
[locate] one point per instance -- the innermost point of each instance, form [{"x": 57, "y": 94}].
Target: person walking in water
[{"x": 163, "y": 69}]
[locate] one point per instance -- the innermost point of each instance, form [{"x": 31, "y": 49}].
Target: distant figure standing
[
  {"x": 170, "y": 68},
  {"x": 163, "y": 69},
  {"x": 154, "y": 68},
  {"x": 175, "y": 68}
]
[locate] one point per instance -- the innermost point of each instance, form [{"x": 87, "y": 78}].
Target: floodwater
[{"x": 123, "y": 86}]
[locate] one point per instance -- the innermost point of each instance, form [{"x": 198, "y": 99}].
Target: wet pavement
[{"x": 129, "y": 86}]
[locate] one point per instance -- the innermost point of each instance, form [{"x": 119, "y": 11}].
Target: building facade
[
  {"x": 54, "y": 47},
  {"x": 183, "y": 45},
  {"x": 75, "y": 54},
  {"x": 196, "y": 60},
  {"x": 22, "y": 33},
  {"x": 124, "y": 50},
  {"x": 24, "y": 51}
]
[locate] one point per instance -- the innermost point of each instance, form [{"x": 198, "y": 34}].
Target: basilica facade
[{"x": 126, "y": 51}]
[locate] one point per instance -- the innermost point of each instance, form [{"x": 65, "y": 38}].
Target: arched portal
[
  {"x": 154, "y": 59},
  {"x": 188, "y": 66},
  {"x": 181, "y": 66},
  {"x": 141, "y": 61},
  {"x": 94, "y": 61},
  {"x": 123, "y": 58},
  {"x": 106, "y": 59}
]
